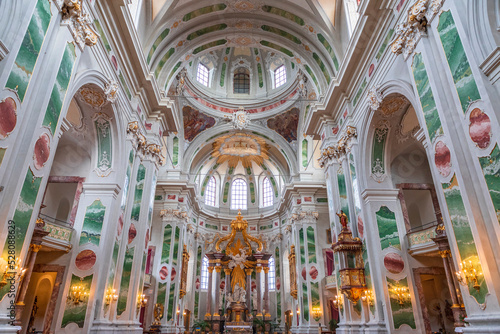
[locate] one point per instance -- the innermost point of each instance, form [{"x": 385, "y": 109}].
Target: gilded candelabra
[
  {"x": 78, "y": 294},
  {"x": 402, "y": 294},
  {"x": 316, "y": 313},
  {"x": 142, "y": 300},
  {"x": 469, "y": 274},
  {"x": 368, "y": 297},
  {"x": 111, "y": 296}
]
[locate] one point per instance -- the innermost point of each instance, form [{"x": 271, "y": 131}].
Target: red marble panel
[
  {"x": 442, "y": 159},
  {"x": 163, "y": 273},
  {"x": 85, "y": 260},
  {"x": 304, "y": 273},
  {"x": 313, "y": 272},
  {"x": 42, "y": 151},
  {"x": 278, "y": 283},
  {"x": 361, "y": 227},
  {"x": 119, "y": 228},
  {"x": 132, "y": 232},
  {"x": 173, "y": 273},
  {"x": 8, "y": 117},
  {"x": 480, "y": 128},
  {"x": 394, "y": 263}
]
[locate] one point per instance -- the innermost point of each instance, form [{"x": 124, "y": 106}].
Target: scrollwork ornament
[{"x": 78, "y": 22}]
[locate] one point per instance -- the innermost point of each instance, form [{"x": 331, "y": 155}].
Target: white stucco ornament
[
  {"x": 374, "y": 98},
  {"x": 240, "y": 119}
]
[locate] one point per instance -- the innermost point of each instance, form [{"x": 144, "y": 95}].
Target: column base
[
  {"x": 6, "y": 325},
  {"x": 488, "y": 323},
  {"x": 107, "y": 327},
  {"x": 375, "y": 327},
  {"x": 305, "y": 329}
]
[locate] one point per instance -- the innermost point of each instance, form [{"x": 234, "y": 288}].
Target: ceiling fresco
[
  {"x": 286, "y": 124},
  {"x": 195, "y": 122}
]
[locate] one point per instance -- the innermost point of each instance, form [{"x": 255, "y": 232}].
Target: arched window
[
  {"x": 241, "y": 81},
  {"x": 210, "y": 192},
  {"x": 272, "y": 274},
  {"x": 202, "y": 74},
  {"x": 239, "y": 195},
  {"x": 204, "y": 274},
  {"x": 279, "y": 76},
  {"x": 267, "y": 193}
]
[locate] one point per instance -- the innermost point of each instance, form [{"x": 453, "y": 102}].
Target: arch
[
  {"x": 117, "y": 121},
  {"x": 366, "y": 131}
]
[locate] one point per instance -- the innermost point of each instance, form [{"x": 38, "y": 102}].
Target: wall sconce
[
  {"x": 111, "y": 296},
  {"x": 402, "y": 294},
  {"x": 15, "y": 273},
  {"x": 78, "y": 294},
  {"x": 316, "y": 313},
  {"x": 368, "y": 297},
  {"x": 338, "y": 300},
  {"x": 142, "y": 300},
  {"x": 468, "y": 273}
]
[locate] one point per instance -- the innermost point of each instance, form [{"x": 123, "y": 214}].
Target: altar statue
[
  {"x": 238, "y": 296},
  {"x": 238, "y": 263}
]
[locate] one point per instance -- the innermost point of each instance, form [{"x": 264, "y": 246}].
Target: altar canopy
[{"x": 237, "y": 255}]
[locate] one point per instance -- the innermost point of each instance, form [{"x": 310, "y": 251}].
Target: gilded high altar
[{"x": 236, "y": 256}]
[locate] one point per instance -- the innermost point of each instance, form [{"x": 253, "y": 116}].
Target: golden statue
[{"x": 238, "y": 263}]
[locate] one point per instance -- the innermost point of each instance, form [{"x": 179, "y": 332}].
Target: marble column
[
  {"x": 227, "y": 288},
  {"x": 258, "y": 270},
  {"x": 249, "y": 289},
  {"x": 456, "y": 308},
  {"x": 266, "y": 293},
  {"x": 217, "y": 291},
  {"x": 208, "y": 315}
]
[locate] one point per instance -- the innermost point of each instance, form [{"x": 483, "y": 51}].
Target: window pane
[
  {"x": 210, "y": 192},
  {"x": 279, "y": 76},
  {"x": 267, "y": 193},
  {"x": 239, "y": 195},
  {"x": 272, "y": 274},
  {"x": 202, "y": 75},
  {"x": 204, "y": 274},
  {"x": 241, "y": 81}
]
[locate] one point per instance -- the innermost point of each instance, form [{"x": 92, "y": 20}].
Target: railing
[
  {"x": 58, "y": 229},
  {"x": 422, "y": 235}
]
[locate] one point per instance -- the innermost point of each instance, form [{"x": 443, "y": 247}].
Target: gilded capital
[{"x": 35, "y": 248}]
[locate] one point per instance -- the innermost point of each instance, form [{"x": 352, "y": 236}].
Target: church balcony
[
  {"x": 331, "y": 282},
  {"x": 420, "y": 240},
  {"x": 60, "y": 232}
]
